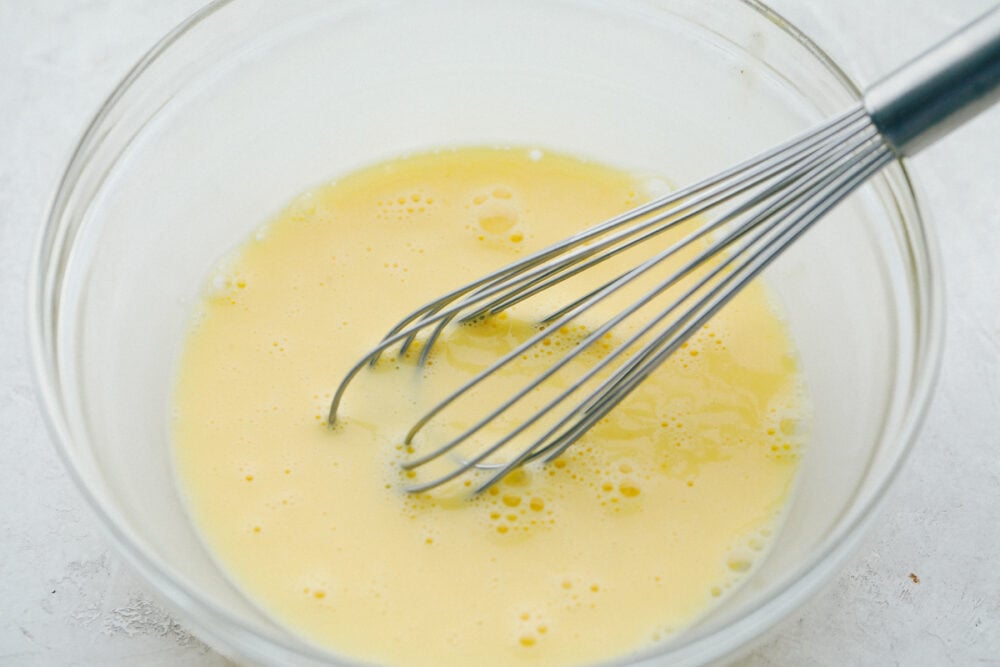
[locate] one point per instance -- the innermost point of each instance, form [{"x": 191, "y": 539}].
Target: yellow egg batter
[{"x": 625, "y": 540}]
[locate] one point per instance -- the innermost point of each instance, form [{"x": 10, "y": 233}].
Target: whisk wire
[
  {"x": 818, "y": 175},
  {"x": 726, "y": 219},
  {"x": 806, "y": 161},
  {"x": 568, "y": 314},
  {"x": 691, "y": 202},
  {"x": 599, "y": 402},
  {"x": 445, "y": 308},
  {"x": 708, "y": 305},
  {"x": 612, "y": 395}
]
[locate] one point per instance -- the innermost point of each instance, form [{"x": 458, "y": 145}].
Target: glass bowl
[{"x": 250, "y": 102}]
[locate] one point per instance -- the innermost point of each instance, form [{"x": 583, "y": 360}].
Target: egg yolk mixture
[{"x": 630, "y": 536}]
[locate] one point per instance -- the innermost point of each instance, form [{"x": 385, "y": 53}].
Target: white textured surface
[{"x": 66, "y": 599}]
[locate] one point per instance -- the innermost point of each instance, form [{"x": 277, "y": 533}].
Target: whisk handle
[{"x": 940, "y": 89}]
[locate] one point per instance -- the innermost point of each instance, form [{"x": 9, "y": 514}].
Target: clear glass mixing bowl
[{"x": 250, "y": 102}]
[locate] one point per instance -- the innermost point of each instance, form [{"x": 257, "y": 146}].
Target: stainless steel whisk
[{"x": 772, "y": 199}]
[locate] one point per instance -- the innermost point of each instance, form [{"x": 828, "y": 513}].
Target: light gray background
[{"x": 65, "y": 598}]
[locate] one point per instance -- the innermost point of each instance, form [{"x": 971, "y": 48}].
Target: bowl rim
[{"x": 223, "y": 629}]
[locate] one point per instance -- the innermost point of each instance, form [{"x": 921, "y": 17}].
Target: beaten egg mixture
[{"x": 622, "y": 542}]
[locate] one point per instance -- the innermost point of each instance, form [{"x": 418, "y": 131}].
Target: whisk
[{"x": 752, "y": 213}]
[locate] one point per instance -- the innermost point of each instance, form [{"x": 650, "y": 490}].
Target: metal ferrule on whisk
[{"x": 939, "y": 90}]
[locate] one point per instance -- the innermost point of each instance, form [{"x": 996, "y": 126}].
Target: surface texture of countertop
[{"x": 924, "y": 588}]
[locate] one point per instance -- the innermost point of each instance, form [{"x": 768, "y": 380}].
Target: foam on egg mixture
[{"x": 624, "y": 541}]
